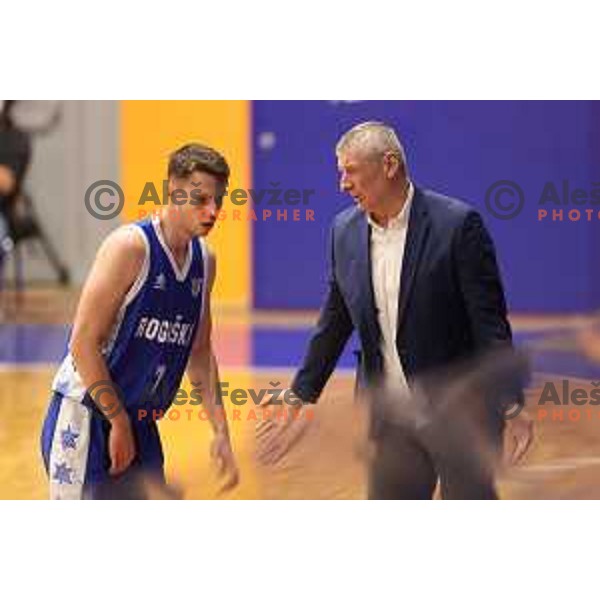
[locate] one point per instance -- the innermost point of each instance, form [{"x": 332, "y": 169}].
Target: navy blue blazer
[{"x": 451, "y": 304}]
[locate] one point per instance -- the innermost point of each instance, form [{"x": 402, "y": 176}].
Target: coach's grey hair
[{"x": 374, "y": 138}]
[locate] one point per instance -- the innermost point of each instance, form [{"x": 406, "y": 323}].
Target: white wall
[{"x": 83, "y": 147}]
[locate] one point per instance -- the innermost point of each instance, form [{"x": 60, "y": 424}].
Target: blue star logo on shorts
[
  {"x": 62, "y": 473},
  {"x": 68, "y": 438}
]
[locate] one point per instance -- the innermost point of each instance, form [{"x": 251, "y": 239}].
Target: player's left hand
[
  {"x": 224, "y": 459},
  {"x": 517, "y": 438}
]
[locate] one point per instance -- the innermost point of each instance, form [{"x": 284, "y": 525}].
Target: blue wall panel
[{"x": 458, "y": 148}]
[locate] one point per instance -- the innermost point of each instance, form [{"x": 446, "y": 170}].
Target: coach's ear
[{"x": 391, "y": 165}]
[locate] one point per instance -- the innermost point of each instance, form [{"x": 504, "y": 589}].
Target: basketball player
[{"x": 143, "y": 317}]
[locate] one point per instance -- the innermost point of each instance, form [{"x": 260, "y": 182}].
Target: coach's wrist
[{"x": 295, "y": 399}]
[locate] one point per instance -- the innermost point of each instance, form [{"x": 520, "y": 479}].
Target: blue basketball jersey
[
  {"x": 151, "y": 341},
  {"x": 146, "y": 355}
]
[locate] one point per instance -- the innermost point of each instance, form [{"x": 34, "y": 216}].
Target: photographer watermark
[
  {"x": 262, "y": 404},
  {"x": 555, "y": 200},
  {"x": 569, "y": 401},
  {"x": 513, "y": 410},
  {"x": 105, "y": 199},
  {"x": 271, "y": 196},
  {"x": 272, "y": 403},
  {"x": 504, "y": 199},
  {"x": 563, "y": 401},
  {"x": 266, "y": 214}
]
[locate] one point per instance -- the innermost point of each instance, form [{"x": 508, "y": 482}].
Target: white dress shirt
[{"x": 387, "y": 252}]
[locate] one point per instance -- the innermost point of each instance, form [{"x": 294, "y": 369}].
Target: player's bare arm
[
  {"x": 118, "y": 263},
  {"x": 203, "y": 372}
]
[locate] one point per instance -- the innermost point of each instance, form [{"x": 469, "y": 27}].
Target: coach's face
[
  {"x": 196, "y": 199},
  {"x": 366, "y": 178}
]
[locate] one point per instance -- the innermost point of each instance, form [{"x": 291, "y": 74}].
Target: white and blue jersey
[{"x": 146, "y": 356}]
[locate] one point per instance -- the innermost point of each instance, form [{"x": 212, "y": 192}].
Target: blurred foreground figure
[
  {"x": 447, "y": 430},
  {"x": 415, "y": 273},
  {"x": 15, "y": 153},
  {"x": 449, "y": 426}
]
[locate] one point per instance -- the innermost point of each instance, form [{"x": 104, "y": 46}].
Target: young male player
[{"x": 143, "y": 318}]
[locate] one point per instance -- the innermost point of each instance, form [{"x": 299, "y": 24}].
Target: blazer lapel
[
  {"x": 416, "y": 236},
  {"x": 365, "y": 278}
]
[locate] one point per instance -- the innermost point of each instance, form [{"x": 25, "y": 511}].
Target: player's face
[
  {"x": 196, "y": 199},
  {"x": 362, "y": 177}
]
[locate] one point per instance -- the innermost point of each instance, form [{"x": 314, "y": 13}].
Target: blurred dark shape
[
  {"x": 35, "y": 116},
  {"x": 15, "y": 155},
  {"x": 18, "y": 219},
  {"x": 136, "y": 484},
  {"x": 450, "y": 425}
]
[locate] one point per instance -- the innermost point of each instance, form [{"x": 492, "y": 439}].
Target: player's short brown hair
[{"x": 197, "y": 157}]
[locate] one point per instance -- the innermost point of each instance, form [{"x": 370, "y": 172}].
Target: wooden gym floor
[{"x": 254, "y": 351}]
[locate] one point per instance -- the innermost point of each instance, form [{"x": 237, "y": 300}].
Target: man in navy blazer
[{"x": 415, "y": 274}]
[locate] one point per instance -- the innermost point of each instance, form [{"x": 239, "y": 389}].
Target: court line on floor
[
  {"x": 236, "y": 369},
  {"x": 7, "y": 367},
  {"x": 575, "y": 462},
  {"x": 268, "y": 370}
]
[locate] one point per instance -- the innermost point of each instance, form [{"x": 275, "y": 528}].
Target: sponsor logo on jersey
[
  {"x": 165, "y": 331},
  {"x": 196, "y": 286},
  {"x": 160, "y": 283}
]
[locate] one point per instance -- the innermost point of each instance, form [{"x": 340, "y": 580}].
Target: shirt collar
[{"x": 401, "y": 219}]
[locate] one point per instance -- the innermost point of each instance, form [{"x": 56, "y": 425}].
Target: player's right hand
[{"x": 121, "y": 446}]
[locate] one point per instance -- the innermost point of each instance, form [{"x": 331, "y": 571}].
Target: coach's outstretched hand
[
  {"x": 518, "y": 438},
  {"x": 224, "y": 459},
  {"x": 280, "y": 429}
]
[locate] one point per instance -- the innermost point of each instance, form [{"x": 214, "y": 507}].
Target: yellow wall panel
[{"x": 150, "y": 130}]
